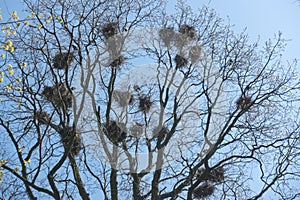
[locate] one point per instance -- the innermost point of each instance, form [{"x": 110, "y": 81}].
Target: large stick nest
[
  {"x": 180, "y": 61},
  {"x": 214, "y": 175},
  {"x": 58, "y": 94},
  {"x": 187, "y": 30},
  {"x": 145, "y": 103},
  {"x": 110, "y": 29},
  {"x": 63, "y": 60},
  {"x": 116, "y": 132},
  {"x": 244, "y": 102},
  {"x": 204, "y": 190},
  {"x": 66, "y": 138},
  {"x": 166, "y": 35}
]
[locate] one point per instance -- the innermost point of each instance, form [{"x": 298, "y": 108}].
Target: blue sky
[{"x": 262, "y": 18}]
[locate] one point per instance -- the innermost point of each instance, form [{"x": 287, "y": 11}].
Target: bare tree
[{"x": 123, "y": 100}]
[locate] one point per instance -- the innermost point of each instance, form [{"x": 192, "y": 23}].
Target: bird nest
[
  {"x": 118, "y": 62},
  {"x": 110, "y": 29},
  {"x": 166, "y": 35},
  {"x": 63, "y": 60},
  {"x": 204, "y": 190},
  {"x": 214, "y": 175},
  {"x": 145, "y": 103},
  {"x": 58, "y": 94},
  {"x": 180, "y": 61},
  {"x": 187, "y": 30},
  {"x": 71, "y": 138},
  {"x": 244, "y": 102},
  {"x": 115, "y": 132}
]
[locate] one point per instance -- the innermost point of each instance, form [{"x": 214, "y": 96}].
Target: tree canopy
[{"x": 128, "y": 100}]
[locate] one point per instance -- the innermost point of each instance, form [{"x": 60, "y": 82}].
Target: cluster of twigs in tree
[
  {"x": 115, "y": 132},
  {"x": 118, "y": 61},
  {"x": 61, "y": 96},
  {"x": 209, "y": 177},
  {"x": 145, "y": 103},
  {"x": 194, "y": 53},
  {"x": 127, "y": 98},
  {"x": 63, "y": 60},
  {"x": 58, "y": 94},
  {"x": 160, "y": 133},
  {"x": 187, "y": 32},
  {"x": 110, "y": 32},
  {"x": 244, "y": 102},
  {"x": 166, "y": 35},
  {"x": 110, "y": 29},
  {"x": 180, "y": 61},
  {"x": 70, "y": 138},
  {"x": 123, "y": 98}
]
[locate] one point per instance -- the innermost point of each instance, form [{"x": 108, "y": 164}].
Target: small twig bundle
[
  {"x": 215, "y": 175},
  {"x": 166, "y": 35},
  {"x": 58, "y": 94},
  {"x": 187, "y": 30},
  {"x": 63, "y": 60},
  {"x": 110, "y": 29},
  {"x": 118, "y": 61},
  {"x": 145, "y": 103},
  {"x": 204, "y": 190},
  {"x": 180, "y": 61},
  {"x": 244, "y": 102},
  {"x": 123, "y": 98},
  {"x": 116, "y": 132},
  {"x": 194, "y": 53},
  {"x": 66, "y": 138}
]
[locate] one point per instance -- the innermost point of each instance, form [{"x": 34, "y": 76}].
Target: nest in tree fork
[
  {"x": 214, "y": 175},
  {"x": 204, "y": 190},
  {"x": 180, "y": 61},
  {"x": 110, "y": 29},
  {"x": 67, "y": 134},
  {"x": 115, "y": 132},
  {"x": 58, "y": 94},
  {"x": 187, "y": 30},
  {"x": 244, "y": 102},
  {"x": 63, "y": 60},
  {"x": 118, "y": 61},
  {"x": 145, "y": 103},
  {"x": 166, "y": 35}
]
